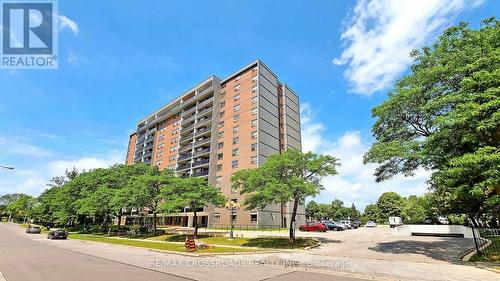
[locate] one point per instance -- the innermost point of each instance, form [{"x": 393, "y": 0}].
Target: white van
[{"x": 395, "y": 221}]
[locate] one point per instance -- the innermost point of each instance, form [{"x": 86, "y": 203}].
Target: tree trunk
[
  {"x": 119, "y": 218},
  {"x": 195, "y": 222},
  {"x": 154, "y": 221},
  {"x": 292, "y": 221},
  {"x": 281, "y": 215}
]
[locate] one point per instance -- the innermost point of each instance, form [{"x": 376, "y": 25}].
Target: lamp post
[
  {"x": 7, "y": 167},
  {"x": 232, "y": 207}
]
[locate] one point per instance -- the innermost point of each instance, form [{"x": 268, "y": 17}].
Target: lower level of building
[{"x": 220, "y": 218}]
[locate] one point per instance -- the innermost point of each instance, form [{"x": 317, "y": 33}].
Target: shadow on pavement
[{"x": 447, "y": 249}]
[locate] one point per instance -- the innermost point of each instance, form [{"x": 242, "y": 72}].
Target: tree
[
  {"x": 444, "y": 116},
  {"x": 149, "y": 190},
  {"x": 194, "y": 193},
  {"x": 22, "y": 206},
  {"x": 354, "y": 213},
  {"x": 291, "y": 176},
  {"x": 390, "y": 204},
  {"x": 371, "y": 213},
  {"x": 414, "y": 210},
  {"x": 312, "y": 209}
]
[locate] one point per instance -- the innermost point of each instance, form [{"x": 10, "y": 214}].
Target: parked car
[
  {"x": 345, "y": 223},
  {"x": 57, "y": 233},
  {"x": 313, "y": 226},
  {"x": 355, "y": 223},
  {"x": 370, "y": 224},
  {"x": 395, "y": 221},
  {"x": 331, "y": 225},
  {"x": 33, "y": 230}
]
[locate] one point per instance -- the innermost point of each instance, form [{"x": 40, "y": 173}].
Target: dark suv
[{"x": 57, "y": 234}]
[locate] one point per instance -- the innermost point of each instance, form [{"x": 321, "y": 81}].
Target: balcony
[
  {"x": 204, "y": 111},
  {"x": 210, "y": 88},
  {"x": 189, "y": 110},
  {"x": 203, "y": 122},
  {"x": 201, "y": 151},
  {"x": 205, "y": 102},
  {"x": 200, "y": 142},
  {"x": 183, "y": 167},
  {"x": 187, "y": 129},
  {"x": 201, "y": 131},
  {"x": 185, "y": 148},
  {"x": 184, "y": 157},
  {"x": 187, "y": 120},
  {"x": 200, "y": 174},
  {"x": 188, "y": 101},
  {"x": 202, "y": 162}
]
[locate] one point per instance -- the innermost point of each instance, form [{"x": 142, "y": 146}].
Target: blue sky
[{"x": 120, "y": 61}]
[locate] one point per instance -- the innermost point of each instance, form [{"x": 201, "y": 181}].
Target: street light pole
[{"x": 232, "y": 207}]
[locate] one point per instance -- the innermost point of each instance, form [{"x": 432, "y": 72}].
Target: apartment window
[
  {"x": 220, "y": 156},
  {"x": 236, "y": 97},
  {"x": 236, "y": 118},
  {"x": 234, "y": 164},
  {"x": 254, "y": 99},
  {"x": 223, "y": 94},
  {"x": 216, "y": 218},
  {"x": 236, "y": 140},
  {"x": 161, "y": 137},
  {"x": 173, "y": 141},
  {"x": 219, "y": 167},
  {"x": 254, "y": 111},
  {"x": 221, "y": 134},
  {"x": 253, "y": 160},
  {"x": 254, "y": 135},
  {"x": 253, "y": 217},
  {"x": 172, "y": 149},
  {"x": 221, "y": 124},
  {"x": 222, "y": 104},
  {"x": 236, "y": 108},
  {"x": 174, "y": 132},
  {"x": 221, "y": 114},
  {"x": 158, "y": 163},
  {"x": 254, "y": 89},
  {"x": 159, "y": 154},
  {"x": 236, "y": 129},
  {"x": 172, "y": 158},
  {"x": 160, "y": 145},
  {"x": 254, "y": 123},
  {"x": 237, "y": 78},
  {"x": 253, "y": 147},
  {"x": 237, "y": 87},
  {"x": 254, "y": 78},
  {"x": 236, "y": 152},
  {"x": 218, "y": 179},
  {"x": 220, "y": 145}
]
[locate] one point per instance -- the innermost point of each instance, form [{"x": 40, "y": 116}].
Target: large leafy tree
[
  {"x": 194, "y": 193},
  {"x": 390, "y": 204},
  {"x": 149, "y": 190},
  {"x": 288, "y": 177},
  {"x": 445, "y": 116}
]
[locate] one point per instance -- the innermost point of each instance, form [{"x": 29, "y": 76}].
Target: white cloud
[
  {"x": 67, "y": 23},
  {"x": 33, "y": 181},
  {"x": 380, "y": 34},
  {"x": 57, "y": 168},
  {"x": 19, "y": 147},
  {"x": 355, "y": 182}
]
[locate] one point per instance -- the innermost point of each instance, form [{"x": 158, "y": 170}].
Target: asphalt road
[{"x": 23, "y": 259}]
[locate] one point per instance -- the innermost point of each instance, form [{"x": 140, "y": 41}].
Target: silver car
[{"x": 370, "y": 224}]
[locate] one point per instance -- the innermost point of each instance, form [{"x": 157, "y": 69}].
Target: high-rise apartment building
[{"x": 217, "y": 128}]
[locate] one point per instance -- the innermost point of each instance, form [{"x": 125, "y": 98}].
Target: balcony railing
[
  {"x": 199, "y": 163},
  {"x": 187, "y": 129},
  {"x": 183, "y": 157},
  {"x": 211, "y": 88},
  {"x": 200, "y": 174},
  {"x": 199, "y": 132},
  {"x": 199, "y": 142},
  {"x": 205, "y": 150},
  {"x": 183, "y": 167},
  {"x": 205, "y": 102}
]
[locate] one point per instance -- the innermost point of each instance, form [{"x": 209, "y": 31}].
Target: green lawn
[
  {"x": 488, "y": 256},
  {"x": 152, "y": 245},
  {"x": 266, "y": 242}
]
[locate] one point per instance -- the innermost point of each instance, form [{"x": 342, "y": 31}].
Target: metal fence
[{"x": 487, "y": 241}]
